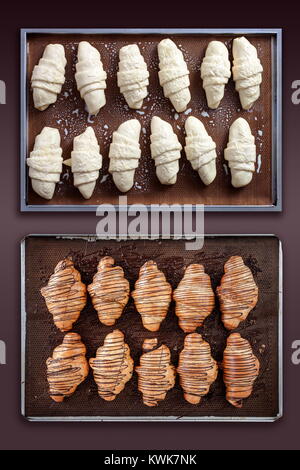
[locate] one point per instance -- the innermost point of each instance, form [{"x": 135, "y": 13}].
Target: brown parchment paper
[
  {"x": 260, "y": 328},
  {"x": 70, "y": 118}
]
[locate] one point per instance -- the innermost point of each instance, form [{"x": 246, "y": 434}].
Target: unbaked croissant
[
  {"x": 165, "y": 150},
  {"x": 132, "y": 76},
  {"x": 240, "y": 369},
  {"x": 45, "y": 162},
  {"x": 67, "y": 368},
  {"x": 238, "y": 293},
  {"x": 156, "y": 375},
  {"x": 124, "y": 154},
  {"x": 200, "y": 150},
  {"x": 109, "y": 291},
  {"x": 112, "y": 366},
  {"x": 215, "y": 72},
  {"x": 240, "y": 153},
  {"x": 247, "y": 71},
  {"x": 85, "y": 161},
  {"x": 48, "y": 76},
  {"x": 152, "y": 296},
  {"x": 197, "y": 368},
  {"x": 65, "y": 295},
  {"x": 90, "y": 77},
  {"x": 173, "y": 75},
  {"x": 194, "y": 298}
]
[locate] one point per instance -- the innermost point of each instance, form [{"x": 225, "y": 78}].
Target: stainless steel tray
[{"x": 276, "y": 151}]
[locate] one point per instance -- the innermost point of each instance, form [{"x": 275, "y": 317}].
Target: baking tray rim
[
  {"x": 276, "y": 112},
  {"x": 120, "y": 237}
]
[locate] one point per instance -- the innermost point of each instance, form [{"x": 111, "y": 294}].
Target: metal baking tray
[
  {"x": 263, "y": 327},
  {"x": 263, "y": 194}
]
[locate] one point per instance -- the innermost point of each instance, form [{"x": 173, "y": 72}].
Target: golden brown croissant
[
  {"x": 197, "y": 368},
  {"x": 112, "y": 366},
  {"x": 156, "y": 374},
  {"x": 237, "y": 293},
  {"x": 240, "y": 369},
  {"x": 65, "y": 295},
  {"x": 67, "y": 368},
  {"x": 109, "y": 291},
  {"x": 194, "y": 298},
  {"x": 152, "y": 296}
]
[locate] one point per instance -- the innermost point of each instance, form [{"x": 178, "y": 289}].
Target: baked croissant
[
  {"x": 173, "y": 75},
  {"x": 200, "y": 150},
  {"x": 240, "y": 369},
  {"x": 48, "y": 76},
  {"x": 238, "y": 293},
  {"x": 90, "y": 77},
  {"x": 109, "y": 291},
  {"x": 65, "y": 295},
  {"x": 240, "y": 153},
  {"x": 152, "y": 296},
  {"x": 156, "y": 375},
  {"x": 165, "y": 150},
  {"x": 246, "y": 71},
  {"x": 194, "y": 298},
  {"x": 132, "y": 76},
  {"x": 124, "y": 154},
  {"x": 67, "y": 368},
  {"x": 85, "y": 161},
  {"x": 197, "y": 369},
  {"x": 112, "y": 366},
  {"x": 45, "y": 162},
  {"x": 215, "y": 72}
]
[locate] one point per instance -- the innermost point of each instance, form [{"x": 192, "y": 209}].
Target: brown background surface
[
  {"x": 69, "y": 116},
  {"x": 15, "y": 432}
]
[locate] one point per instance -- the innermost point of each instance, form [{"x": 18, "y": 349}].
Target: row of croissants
[
  {"x": 46, "y": 162},
  {"x": 113, "y": 367},
  {"x": 66, "y": 295},
  {"x": 133, "y": 76}
]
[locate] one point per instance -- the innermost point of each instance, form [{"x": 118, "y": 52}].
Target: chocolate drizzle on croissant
[
  {"x": 109, "y": 291},
  {"x": 194, "y": 298},
  {"x": 65, "y": 295},
  {"x": 240, "y": 369},
  {"x": 112, "y": 366},
  {"x": 67, "y": 368},
  {"x": 152, "y": 296},
  {"x": 238, "y": 293},
  {"x": 197, "y": 368},
  {"x": 156, "y": 374}
]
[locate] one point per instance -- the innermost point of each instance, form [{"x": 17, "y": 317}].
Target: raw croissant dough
[
  {"x": 240, "y": 369},
  {"x": 194, "y": 298},
  {"x": 109, "y": 291},
  {"x": 124, "y": 154},
  {"x": 165, "y": 150},
  {"x": 45, "y": 162},
  {"x": 112, "y": 366},
  {"x": 156, "y": 375},
  {"x": 48, "y": 76},
  {"x": 152, "y": 296},
  {"x": 215, "y": 72},
  {"x": 90, "y": 77},
  {"x": 133, "y": 76},
  {"x": 67, "y": 368},
  {"x": 174, "y": 75},
  {"x": 85, "y": 161},
  {"x": 246, "y": 71},
  {"x": 200, "y": 150},
  {"x": 197, "y": 368},
  {"x": 238, "y": 293},
  {"x": 241, "y": 153},
  {"x": 65, "y": 295}
]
